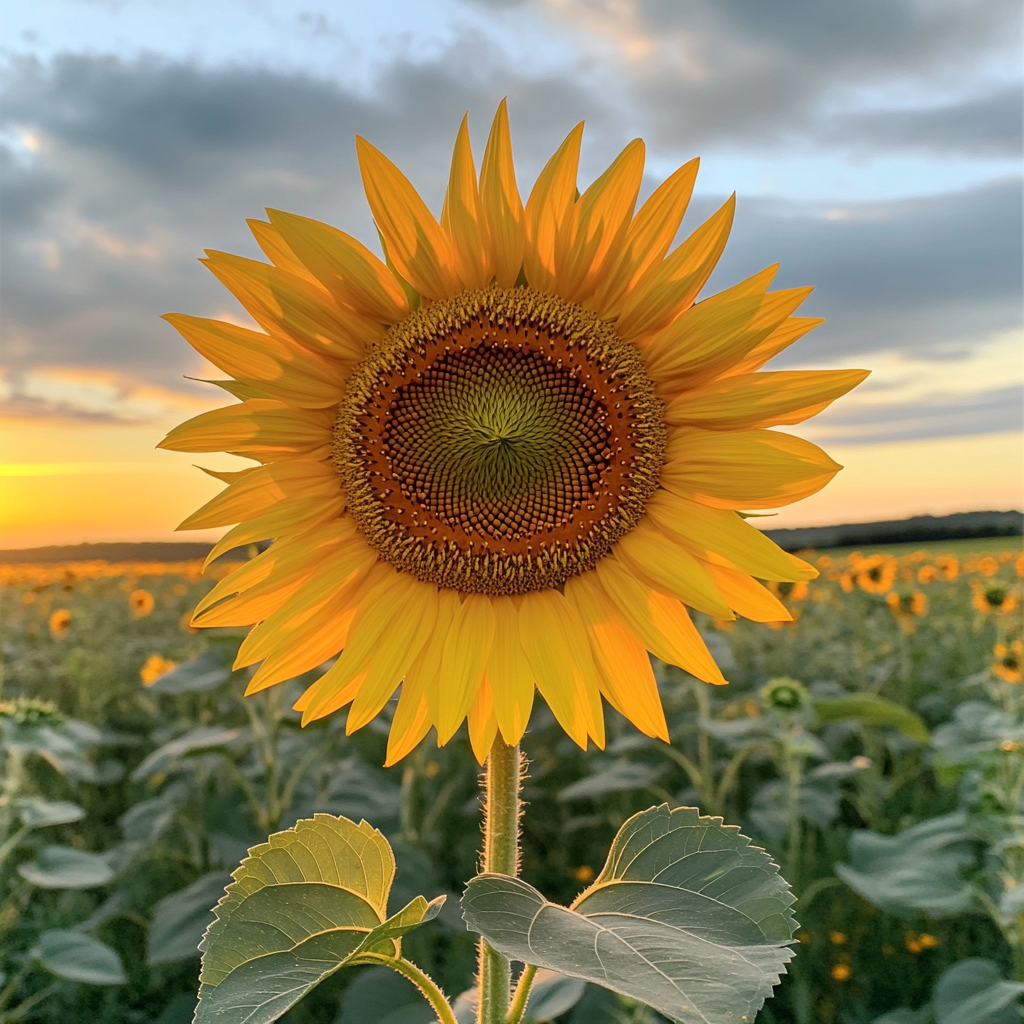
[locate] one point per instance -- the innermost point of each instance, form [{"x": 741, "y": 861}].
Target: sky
[{"x": 875, "y": 149}]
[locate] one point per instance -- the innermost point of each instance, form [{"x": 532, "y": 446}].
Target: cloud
[
  {"x": 119, "y": 171},
  {"x": 989, "y": 126},
  {"x": 746, "y": 71},
  {"x": 931, "y": 275},
  {"x": 990, "y": 411}
]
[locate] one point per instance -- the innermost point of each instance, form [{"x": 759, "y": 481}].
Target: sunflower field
[{"x": 874, "y": 746}]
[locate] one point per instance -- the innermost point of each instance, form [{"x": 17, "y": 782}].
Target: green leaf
[
  {"x": 974, "y": 992},
  {"x": 872, "y": 710},
  {"x": 203, "y": 738},
  {"x": 180, "y": 920},
  {"x": 620, "y": 776},
  {"x": 206, "y": 672},
  {"x": 919, "y": 869},
  {"x": 977, "y": 728},
  {"x": 686, "y": 916},
  {"x": 552, "y": 995},
  {"x": 62, "y": 867},
  {"x": 36, "y": 813},
  {"x": 310, "y": 900},
  {"x": 380, "y": 996},
  {"x": 79, "y": 957}
]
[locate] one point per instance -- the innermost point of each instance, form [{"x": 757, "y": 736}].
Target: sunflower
[
  {"x": 508, "y": 456},
  {"x": 993, "y": 600},
  {"x": 156, "y": 666},
  {"x": 1008, "y": 660},
  {"x": 60, "y": 622},
  {"x": 875, "y": 574},
  {"x": 141, "y": 603}
]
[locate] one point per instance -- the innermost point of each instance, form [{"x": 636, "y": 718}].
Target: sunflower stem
[{"x": 502, "y": 781}]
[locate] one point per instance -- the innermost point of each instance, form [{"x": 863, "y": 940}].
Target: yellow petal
[
  {"x": 344, "y": 266},
  {"x": 555, "y": 642},
  {"x": 705, "y": 530},
  {"x": 466, "y": 651},
  {"x": 509, "y": 673},
  {"x": 761, "y": 399},
  {"x": 747, "y": 597},
  {"x": 320, "y": 637},
  {"x": 627, "y": 679},
  {"x": 295, "y": 558},
  {"x": 279, "y": 368},
  {"x": 669, "y": 287},
  {"x": 258, "y": 426},
  {"x": 342, "y": 573},
  {"x": 660, "y": 623},
  {"x": 483, "y": 726},
  {"x": 549, "y": 204},
  {"x": 462, "y": 216},
  {"x": 262, "y": 487},
  {"x": 790, "y": 330},
  {"x": 422, "y": 252},
  {"x": 705, "y": 340},
  {"x": 426, "y": 672},
  {"x": 383, "y": 599},
  {"x": 648, "y": 238},
  {"x": 282, "y": 303},
  {"x": 394, "y": 648},
  {"x": 502, "y": 207},
  {"x": 742, "y": 469},
  {"x": 292, "y": 515},
  {"x": 411, "y": 721},
  {"x": 594, "y": 233},
  {"x": 670, "y": 568},
  {"x": 277, "y": 250}
]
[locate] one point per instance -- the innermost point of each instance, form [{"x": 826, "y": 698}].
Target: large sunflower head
[{"x": 508, "y": 456}]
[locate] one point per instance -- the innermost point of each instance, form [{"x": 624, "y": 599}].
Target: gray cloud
[
  {"x": 140, "y": 164},
  {"x": 995, "y": 410},
  {"x": 925, "y": 275},
  {"x": 746, "y": 71},
  {"x": 985, "y": 127}
]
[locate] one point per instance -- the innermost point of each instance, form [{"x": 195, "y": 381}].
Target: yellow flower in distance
[
  {"x": 156, "y": 666},
  {"x": 1008, "y": 660},
  {"x": 60, "y": 622},
  {"x": 507, "y": 457},
  {"x": 141, "y": 603}
]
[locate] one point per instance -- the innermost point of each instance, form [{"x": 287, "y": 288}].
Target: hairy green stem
[
  {"x": 521, "y": 995},
  {"x": 502, "y": 780},
  {"x": 422, "y": 981}
]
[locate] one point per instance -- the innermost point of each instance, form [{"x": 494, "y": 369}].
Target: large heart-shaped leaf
[
  {"x": 310, "y": 900},
  {"x": 686, "y": 916}
]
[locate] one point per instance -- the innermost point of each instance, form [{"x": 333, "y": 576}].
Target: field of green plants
[{"x": 874, "y": 746}]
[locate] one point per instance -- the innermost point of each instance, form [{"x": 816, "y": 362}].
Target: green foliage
[
  {"x": 904, "y": 724},
  {"x": 686, "y": 917},
  {"x": 79, "y": 957},
  {"x": 310, "y": 900}
]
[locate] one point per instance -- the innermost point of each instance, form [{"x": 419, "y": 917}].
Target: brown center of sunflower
[{"x": 499, "y": 442}]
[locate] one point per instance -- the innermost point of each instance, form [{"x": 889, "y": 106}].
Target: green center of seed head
[{"x": 499, "y": 442}]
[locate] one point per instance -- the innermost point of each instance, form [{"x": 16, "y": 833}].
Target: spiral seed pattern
[{"x": 499, "y": 442}]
